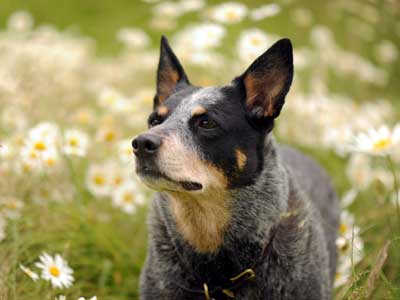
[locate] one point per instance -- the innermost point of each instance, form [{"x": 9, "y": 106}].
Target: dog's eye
[
  {"x": 207, "y": 123},
  {"x": 155, "y": 121}
]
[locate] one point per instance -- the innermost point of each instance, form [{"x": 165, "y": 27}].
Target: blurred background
[{"x": 77, "y": 80}]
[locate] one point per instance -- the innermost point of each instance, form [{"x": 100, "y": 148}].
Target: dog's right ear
[{"x": 170, "y": 73}]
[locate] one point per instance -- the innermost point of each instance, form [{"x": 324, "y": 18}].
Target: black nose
[{"x": 146, "y": 144}]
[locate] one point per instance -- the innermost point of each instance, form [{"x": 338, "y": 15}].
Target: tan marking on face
[
  {"x": 162, "y": 111},
  {"x": 198, "y": 110},
  {"x": 201, "y": 216},
  {"x": 241, "y": 159}
]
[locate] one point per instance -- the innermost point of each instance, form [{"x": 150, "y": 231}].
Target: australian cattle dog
[{"x": 236, "y": 215}]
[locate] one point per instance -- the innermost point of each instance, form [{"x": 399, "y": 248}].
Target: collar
[{"x": 235, "y": 283}]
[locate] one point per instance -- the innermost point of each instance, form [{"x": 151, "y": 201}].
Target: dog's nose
[{"x": 146, "y": 144}]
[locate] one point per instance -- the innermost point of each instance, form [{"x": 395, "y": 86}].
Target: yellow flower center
[
  {"x": 40, "y": 146},
  {"x": 50, "y": 161},
  {"x": 12, "y": 204},
  {"x": 255, "y": 41},
  {"x": 128, "y": 198},
  {"x": 231, "y": 15},
  {"x": 33, "y": 155},
  {"x": 99, "y": 180},
  {"x": 118, "y": 180},
  {"x": 109, "y": 136},
  {"x": 74, "y": 142},
  {"x": 54, "y": 271},
  {"x": 342, "y": 228},
  {"x": 382, "y": 144}
]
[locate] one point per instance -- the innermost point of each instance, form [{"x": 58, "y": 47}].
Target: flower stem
[{"x": 392, "y": 168}]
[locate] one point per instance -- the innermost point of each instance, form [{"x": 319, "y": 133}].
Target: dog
[{"x": 236, "y": 216}]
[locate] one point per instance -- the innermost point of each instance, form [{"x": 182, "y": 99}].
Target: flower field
[{"x": 77, "y": 84}]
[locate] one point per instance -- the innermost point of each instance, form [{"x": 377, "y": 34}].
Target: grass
[{"x": 105, "y": 247}]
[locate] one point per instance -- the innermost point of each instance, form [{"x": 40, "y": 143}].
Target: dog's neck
[{"x": 209, "y": 222}]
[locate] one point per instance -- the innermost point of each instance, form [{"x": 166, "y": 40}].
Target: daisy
[
  {"x": 229, "y": 12},
  {"x": 381, "y": 141},
  {"x": 33, "y": 275},
  {"x": 133, "y": 37},
  {"x": 45, "y": 130},
  {"x": 118, "y": 176},
  {"x": 252, "y": 43},
  {"x": 56, "y": 270},
  {"x": 264, "y": 11},
  {"x": 168, "y": 10},
  {"x": 98, "y": 180},
  {"x": 198, "y": 38},
  {"x": 359, "y": 170},
  {"x": 106, "y": 134},
  {"x": 125, "y": 151},
  {"x": 343, "y": 272},
  {"x": 109, "y": 98},
  {"x": 192, "y": 5},
  {"x": 127, "y": 197},
  {"x": 75, "y": 142},
  {"x": 83, "y": 298},
  {"x": 20, "y": 21},
  {"x": 11, "y": 207}
]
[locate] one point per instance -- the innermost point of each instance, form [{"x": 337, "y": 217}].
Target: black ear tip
[
  {"x": 164, "y": 40},
  {"x": 285, "y": 45}
]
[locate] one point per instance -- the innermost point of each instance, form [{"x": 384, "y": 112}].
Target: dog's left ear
[
  {"x": 170, "y": 73},
  {"x": 268, "y": 79}
]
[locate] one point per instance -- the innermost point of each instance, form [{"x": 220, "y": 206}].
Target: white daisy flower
[
  {"x": 20, "y": 21},
  {"x": 125, "y": 151},
  {"x": 349, "y": 242},
  {"x": 192, "y": 5},
  {"x": 133, "y": 37},
  {"x": 199, "y": 37},
  {"x": 98, "y": 180},
  {"x": 349, "y": 197},
  {"x": 386, "y": 51},
  {"x": 106, "y": 134},
  {"x": 56, "y": 270},
  {"x": 83, "y": 298},
  {"x": 40, "y": 143},
  {"x": 33, "y": 275},
  {"x": 118, "y": 176},
  {"x": 168, "y": 9},
  {"x": 381, "y": 141},
  {"x": 75, "y": 142},
  {"x": 50, "y": 159},
  {"x": 343, "y": 272},
  {"x": 6, "y": 150},
  {"x": 265, "y": 11},
  {"x": 10, "y": 207},
  {"x": 108, "y": 96},
  {"x": 359, "y": 170},
  {"x": 252, "y": 43},
  {"x": 229, "y": 12},
  {"x": 45, "y": 130},
  {"x": 127, "y": 197}
]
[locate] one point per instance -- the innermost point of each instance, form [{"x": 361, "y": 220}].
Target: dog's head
[{"x": 210, "y": 138}]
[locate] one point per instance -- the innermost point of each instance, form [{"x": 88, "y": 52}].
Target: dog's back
[{"x": 316, "y": 184}]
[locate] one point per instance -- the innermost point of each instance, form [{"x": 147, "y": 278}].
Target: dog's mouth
[{"x": 159, "y": 181}]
